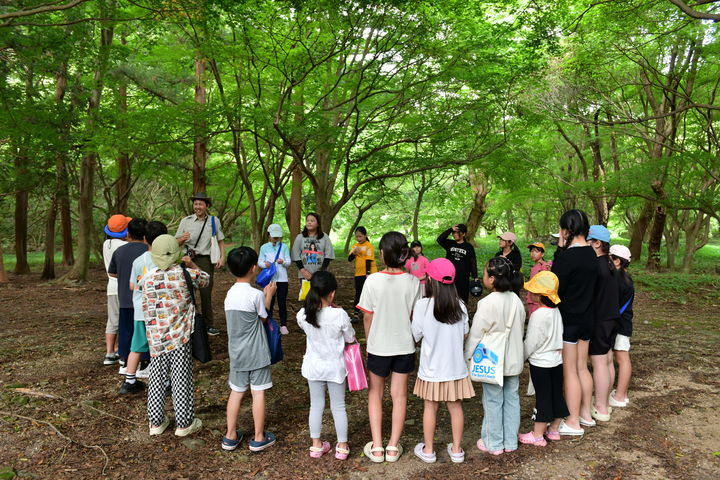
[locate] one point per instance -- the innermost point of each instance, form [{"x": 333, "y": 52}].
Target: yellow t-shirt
[{"x": 367, "y": 252}]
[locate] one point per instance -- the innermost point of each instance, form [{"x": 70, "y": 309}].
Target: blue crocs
[
  {"x": 231, "y": 445},
  {"x": 265, "y": 443}
]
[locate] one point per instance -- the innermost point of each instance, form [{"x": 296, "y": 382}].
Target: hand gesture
[
  {"x": 185, "y": 236},
  {"x": 270, "y": 289},
  {"x": 279, "y": 261}
]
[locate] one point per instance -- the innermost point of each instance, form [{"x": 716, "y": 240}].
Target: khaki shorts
[
  {"x": 113, "y": 306},
  {"x": 260, "y": 379},
  {"x": 622, "y": 343}
]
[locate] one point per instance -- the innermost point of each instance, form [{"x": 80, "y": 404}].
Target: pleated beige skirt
[{"x": 444, "y": 391}]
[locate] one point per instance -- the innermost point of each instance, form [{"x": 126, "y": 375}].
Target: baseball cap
[
  {"x": 275, "y": 230},
  {"x": 508, "y": 236},
  {"x": 442, "y": 270},
  {"x": 539, "y": 245},
  {"x": 544, "y": 283},
  {"x": 599, "y": 232},
  {"x": 620, "y": 251},
  {"x": 117, "y": 226}
]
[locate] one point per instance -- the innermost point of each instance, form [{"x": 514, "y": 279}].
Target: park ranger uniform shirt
[{"x": 194, "y": 225}]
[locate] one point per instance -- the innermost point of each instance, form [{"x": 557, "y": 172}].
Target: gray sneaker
[{"x": 213, "y": 331}]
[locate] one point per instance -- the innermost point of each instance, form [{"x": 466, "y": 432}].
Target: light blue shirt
[{"x": 267, "y": 254}]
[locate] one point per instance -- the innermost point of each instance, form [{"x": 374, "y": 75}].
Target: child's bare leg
[
  {"x": 258, "y": 413},
  {"x": 110, "y": 341},
  {"x": 398, "y": 392},
  {"x": 601, "y": 378},
  {"x": 554, "y": 425},
  {"x": 457, "y": 420},
  {"x": 540, "y": 428},
  {"x": 624, "y": 374},
  {"x": 375, "y": 413},
  {"x": 232, "y": 412},
  {"x": 429, "y": 423},
  {"x": 611, "y": 368},
  {"x": 586, "y": 379},
  {"x": 571, "y": 385}
]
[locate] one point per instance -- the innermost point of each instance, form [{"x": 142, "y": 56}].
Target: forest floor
[{"x": 61, "y": 415}]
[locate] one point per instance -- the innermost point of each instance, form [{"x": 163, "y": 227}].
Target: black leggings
[
  {"x": 549, "y": 400},
  {"x": 359, "y": 283},
  {"x": 281, "y": 295}
]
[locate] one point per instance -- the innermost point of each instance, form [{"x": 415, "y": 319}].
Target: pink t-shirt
[
  {"x": 537, "y": 268},
  {"x": 417, "y": 267}
]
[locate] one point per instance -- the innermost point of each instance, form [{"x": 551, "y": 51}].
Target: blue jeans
[{"x": 501, "y": 420}]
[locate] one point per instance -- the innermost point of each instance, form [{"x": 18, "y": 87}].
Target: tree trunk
[
  {"x": 655, "y": 240},
  {"x": 639, "y": 228},
  {"x": 510, "y": 220},
  {"x": 3, "y": 274},
  {"x": 122, "y": 187},
  {"x": 701, "y": 223},
  {"x": 200, "y": 145},
  {"x": 480, "y": 188},
  {"x": 62, "y": 197},
  {"x": 68, "y": 258},
  {"x": 89, "y": 160},
  {"x": 21, "y": 212},
  {"x": 672, "y": 238},
  {"x": 295, "y": 208},
  {"x": 48, "y": 272}
]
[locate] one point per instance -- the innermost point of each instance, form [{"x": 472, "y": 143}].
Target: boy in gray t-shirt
[{"x": 245, "y": 311}]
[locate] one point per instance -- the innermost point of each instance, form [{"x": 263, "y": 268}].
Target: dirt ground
[{"x": 61, "y": 415}]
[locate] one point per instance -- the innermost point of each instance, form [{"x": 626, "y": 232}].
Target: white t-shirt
[
  {"x": 390, "y": 297},
  {"x": 109, "y": 247},
  {"x": 323, "y": 359},
  {"x": 441, "y": 351},
  {"x": 244, "y": 297},
  {"x": 543, "y": 340},
  {"x": 141, "y": 266}
]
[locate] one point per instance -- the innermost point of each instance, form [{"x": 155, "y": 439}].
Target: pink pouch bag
[{"x": 356, "y": 378}]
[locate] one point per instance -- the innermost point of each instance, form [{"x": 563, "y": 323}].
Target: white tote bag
[
  {"x": 214, "y": 247},
  {"x": 487, "y": 361}
]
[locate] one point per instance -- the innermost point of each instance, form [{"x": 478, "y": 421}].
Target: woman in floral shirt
[{"x": 169, "y": 321}]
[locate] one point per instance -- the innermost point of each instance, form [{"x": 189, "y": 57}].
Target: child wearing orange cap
[
  {"x": 543, "y": 350},
  {"x": 537, "y": 251},
  {"x": 116, "y": 232}
]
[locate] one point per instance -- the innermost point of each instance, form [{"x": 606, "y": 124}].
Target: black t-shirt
[
  {"x": 627, "y": 294},
  {"x": 577, "y": 271},
  {"x": 462, "y": 256},
  {"x": 607, "y": 291},
  {"x": 514, "y": 257},
  {"x": 121, "y": 265}
]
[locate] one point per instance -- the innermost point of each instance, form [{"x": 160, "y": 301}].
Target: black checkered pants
[{"x": 177, "y": 367}]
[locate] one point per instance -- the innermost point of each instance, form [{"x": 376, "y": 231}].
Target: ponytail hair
[
  {"x": 446, "y": 301},
  {"x": 576, "y": 223},
  {"x": 322, "y": 284},
  {"x": 504, "y": 273},
  {"x": 395, "y": 250},
  {"x": 622, "y": 271},
  {"x": 605, "y": 249}
]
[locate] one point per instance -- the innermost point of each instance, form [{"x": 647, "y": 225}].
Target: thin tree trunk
[
  {"x": 3, "y": 274},
  {"x": 510, "y": 220},
  {"x": 21, "y": 213},
  {"x": 122, "y": 187},
  {"x": 89, "y": 160},
  {"x": 481, "y": 188},
  {"x": 702, "y": 222},
  {"x": 639, "y": 229},
  {"x": 200, "y": 145},
  {"x": 48, "y": 272},
  {"x": 295, "y": 209},
  {"x": 655, "y": 240}
]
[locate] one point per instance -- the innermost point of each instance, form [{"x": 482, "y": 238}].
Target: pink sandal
[
  {"x": 554, "y": 436},
  {"x": 341, "y": 453},
  {"x": 317, "y": 452}
]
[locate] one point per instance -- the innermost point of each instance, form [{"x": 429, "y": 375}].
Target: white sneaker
[
  {"x": 194, "y": 427},
  {"x": 616, "y": 403},
  {"x": 159, "y": 429},
  {"x": 123, "y": 370},
  {"x": 144, "y": 373},
  {"x": 284, "y": 330}
]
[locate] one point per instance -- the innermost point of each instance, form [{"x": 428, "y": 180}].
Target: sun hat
[
  {"x": 165, "y": 251},
  {"x": 544, "y": 283},
  {"x": 275, "y": 230},
  {"x": 620, "y": 251},
  {"x": 508, "y": 236},
  {"x": 539, "y": 245},
  {"x": 442, "y": 270},
  {"x": 117, "y": 226},
  {"x": 202, "y": 196},
  {"x": 599, "y": 232}
]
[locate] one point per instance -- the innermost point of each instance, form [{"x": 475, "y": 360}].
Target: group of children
[{"x": 574, "y": 301}]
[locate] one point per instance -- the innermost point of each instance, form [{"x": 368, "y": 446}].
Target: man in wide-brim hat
[{"x": 195, "y": 232}]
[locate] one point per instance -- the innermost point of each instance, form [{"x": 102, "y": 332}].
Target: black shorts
[
  {"x": 382, "y": 366},
  {"x": 603, "y": 337},
  {"x": 572, "y": 332}
]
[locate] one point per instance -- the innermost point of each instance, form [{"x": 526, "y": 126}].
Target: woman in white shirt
[
  {"x": 327, "y": 329},
  {"x": 440, "y": 320}
]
